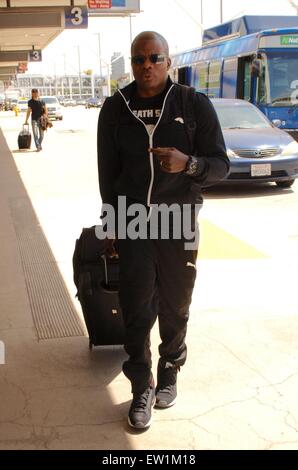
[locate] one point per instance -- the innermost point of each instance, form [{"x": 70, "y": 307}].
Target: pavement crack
[
  {"x": 287, "y": 413},
  {"x": 276, "y": 443},
  {"x": 42, "y": 439},
  {"x": 207, "y": 430},
  {"x": 224, "y": 405},
  {"x": 25, "y": 406},
  {"x": 268, "y": 441},
  {"x": 249, "y": 366},
  {"x": 276, "y": 384},
  {"x": 187, "y": 420}
]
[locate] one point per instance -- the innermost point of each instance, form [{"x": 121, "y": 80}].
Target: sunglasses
[{"x": 154, "y": 59}]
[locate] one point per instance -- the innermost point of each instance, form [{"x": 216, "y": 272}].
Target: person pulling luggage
[
  {"x": 37, "y": 108},
  {"x": 145, "y": 155}
]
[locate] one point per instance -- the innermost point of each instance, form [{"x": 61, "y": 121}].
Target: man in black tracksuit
[{"x": 145, "y": 154}]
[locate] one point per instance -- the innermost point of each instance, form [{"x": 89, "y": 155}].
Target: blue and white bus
[{"x": 253, "y": 58}]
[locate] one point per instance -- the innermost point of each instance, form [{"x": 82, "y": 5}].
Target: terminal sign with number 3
[
  {"x": 76, "y": 17},
  {"x": 34, "y": 56}
]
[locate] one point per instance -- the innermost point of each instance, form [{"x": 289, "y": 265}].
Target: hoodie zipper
[{"x": 150, "y": 135}]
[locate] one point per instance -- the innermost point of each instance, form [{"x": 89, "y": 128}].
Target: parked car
[
  {"x": 22, "y": 104},
  {"x": 80, "y": 102},
  {"x": 60, "y": 99},
  {"x": 53, "y": 106},
  {"x": 69, "y": 102},
  {"x": 93, "y": 103},
  {"x": 258, "y": 151}
]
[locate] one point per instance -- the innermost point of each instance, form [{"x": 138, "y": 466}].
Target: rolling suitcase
[
  {"x": 24, "y": 138},
  {"x": 96, "y": 277}
]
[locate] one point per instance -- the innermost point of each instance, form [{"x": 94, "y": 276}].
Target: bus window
[
  {"x": 247, "y": 81},
  {"x": 183, "y": 73},
  {"x": 244, "y": 78},
  {"x": 194, "y": 76},
  {"x": 262, "y": 87},
  {"x": 200, "y": 77},
  {"x": 203, "y": 77},
  {"x": 214, "y": 79},
  {"x": 230, "y": 78}
]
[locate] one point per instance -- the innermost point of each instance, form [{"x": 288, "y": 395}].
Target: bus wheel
[{"x": 285, "y": 184}]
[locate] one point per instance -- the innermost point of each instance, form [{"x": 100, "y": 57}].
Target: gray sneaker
[
  {"x": 166, "y": 388},
  {"x": 139, "y": 415}
]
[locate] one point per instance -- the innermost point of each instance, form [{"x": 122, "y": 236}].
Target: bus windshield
[{"x": 283, "y": 71}]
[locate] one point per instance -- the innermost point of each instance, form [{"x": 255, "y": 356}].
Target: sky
[{"x": 178, "y": 20}]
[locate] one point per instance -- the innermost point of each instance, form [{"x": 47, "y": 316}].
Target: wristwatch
[{"x": 192, "y": 166}]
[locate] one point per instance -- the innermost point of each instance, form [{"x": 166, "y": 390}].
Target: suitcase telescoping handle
[
  {"x": 106, "y": 268},
  {"x": 106, "y": 281}
]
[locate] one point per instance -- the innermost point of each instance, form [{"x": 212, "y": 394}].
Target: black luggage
[
  {"x": 96, "y": 277},
  {"x": 24, "y": 138}
]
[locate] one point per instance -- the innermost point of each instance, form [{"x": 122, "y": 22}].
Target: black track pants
[{"x": 156, "y": 280}]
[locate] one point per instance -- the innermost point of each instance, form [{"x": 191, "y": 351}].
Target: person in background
[{"x": 36, "y": 108}]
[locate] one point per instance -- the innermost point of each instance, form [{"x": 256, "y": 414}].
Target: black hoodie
[{"x": 125, "y": 166}]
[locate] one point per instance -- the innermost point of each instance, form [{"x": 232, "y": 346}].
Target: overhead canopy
[
  {"x": 8, "y": 70},
  {"x": 30, "y": 25},
  {"x": 20, "y": 29},
  {"x": 27, "y": 25}
]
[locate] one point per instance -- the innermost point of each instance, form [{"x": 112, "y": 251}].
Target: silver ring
[{"x": 161, "y": 163}]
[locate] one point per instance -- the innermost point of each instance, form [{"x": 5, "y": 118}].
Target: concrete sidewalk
[{"x": 238, "y": 389}]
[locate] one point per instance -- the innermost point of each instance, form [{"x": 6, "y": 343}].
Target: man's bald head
[
  {"x": 150, "y": 63},
  {"x": 149, "y": 36}
]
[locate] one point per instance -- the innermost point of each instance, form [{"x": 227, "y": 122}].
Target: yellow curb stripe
[{"x": 217, "y": 243}]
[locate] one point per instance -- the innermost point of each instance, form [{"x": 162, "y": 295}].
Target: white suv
[{"x": 53, "y": 106}]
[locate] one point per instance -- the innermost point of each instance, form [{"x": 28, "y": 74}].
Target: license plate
[{"x": 261, "y": 170}]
